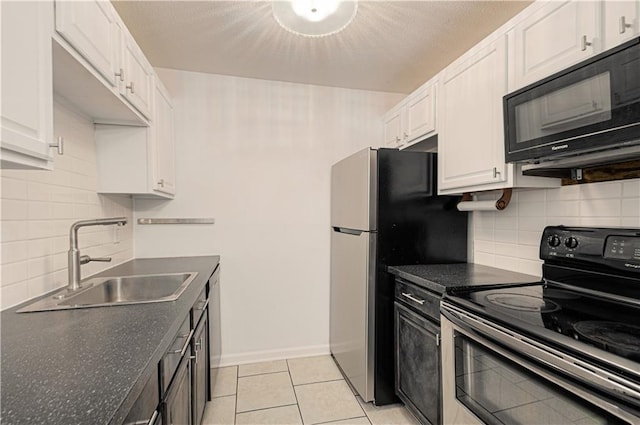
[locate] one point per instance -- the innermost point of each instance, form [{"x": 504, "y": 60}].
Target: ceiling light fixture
[{"x": 314, "y": 18}]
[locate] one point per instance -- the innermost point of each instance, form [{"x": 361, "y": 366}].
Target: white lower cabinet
[
  {"x": 621, "y": 21},
  {"x": 139, "y": 160},
  {"x": 27, "y": 94}
]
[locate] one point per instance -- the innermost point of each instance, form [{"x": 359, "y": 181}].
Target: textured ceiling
[{"x": 391, "y": 46}]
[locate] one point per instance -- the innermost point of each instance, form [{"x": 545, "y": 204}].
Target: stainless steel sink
[{"x": 107, "y": 291}]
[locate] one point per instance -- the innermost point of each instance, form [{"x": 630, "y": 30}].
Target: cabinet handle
[
  {"x": 397, "y": 138},
  {"x": 624, "y": 25},
  {"x": 496, "y": 173},
  {"x": 412, "y": 298},
  {"x": 585, "y": 43},
  {"x": 120, "y": 74},
  {"x": 184, "y": 347},
  {"x": 406, "y": 136},
  {"x": 130, "y": 87},
  {"x": 203, "y": 305},
  {"x": 153, "y": 418},
  {"x": 161, "y": 183},
  {"x": 59, "y": 145}
]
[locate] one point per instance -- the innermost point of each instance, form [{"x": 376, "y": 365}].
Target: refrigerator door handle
[{"x": 347, "y": 231}]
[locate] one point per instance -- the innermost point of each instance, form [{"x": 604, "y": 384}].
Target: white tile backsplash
[
  {"x": 509, "y": 239},
  {"x": 607, "y": 190},
  {"x": 38, "y": 207},
  {"x": 631, "y": 189}
]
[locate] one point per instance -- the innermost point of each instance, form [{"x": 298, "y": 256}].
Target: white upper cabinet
[
  {"x": 90, "y": 28},
  {"x": 420, "y": 113},
  {"x": 413, "y": 119},
  {"x": 138, "y": 77},
  {"x": 164, "y": 174},
  {"x": 621, "y": 21},
  {"x": 27, "y": 96},
  {"x": 139, "y": 160},
  {"x": 393, "y": 127},
  {"x": 555, "y": 35},
  {"x": 470, "y": 137},
  {"x": 98, "y": 67}
]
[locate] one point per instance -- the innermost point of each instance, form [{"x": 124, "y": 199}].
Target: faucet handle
[
  {"x": 103, "y": 259},
  {"x": 84, "y": 259}
]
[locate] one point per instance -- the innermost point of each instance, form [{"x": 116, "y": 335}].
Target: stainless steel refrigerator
[{"x": 384, "y": 211}]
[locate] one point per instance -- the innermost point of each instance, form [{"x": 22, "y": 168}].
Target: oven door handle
[{"x": 551, "y": 357}]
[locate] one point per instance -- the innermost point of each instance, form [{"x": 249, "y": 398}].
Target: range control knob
[
  {"x": 554, "y": 241},
  {"x": 571, "y": 242}
]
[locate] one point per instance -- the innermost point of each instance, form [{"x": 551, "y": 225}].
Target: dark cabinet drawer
[
  {"x": 172, "y": 356},
  {"x": 422, "y": 300}
]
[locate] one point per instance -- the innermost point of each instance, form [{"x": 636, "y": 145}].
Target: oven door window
[{"x": 502, "y": 392}]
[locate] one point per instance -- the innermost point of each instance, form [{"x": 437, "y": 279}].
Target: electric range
[{"x": 574, "y": 335}]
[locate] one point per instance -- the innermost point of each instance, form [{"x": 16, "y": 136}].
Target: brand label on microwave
[{"x": 557, "y": 148}]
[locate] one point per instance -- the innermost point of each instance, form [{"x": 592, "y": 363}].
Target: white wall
[
  {"x": 256, "y": 156},
  {"x": 509, "y": 239},
  {"x": 38, "y": 207}
]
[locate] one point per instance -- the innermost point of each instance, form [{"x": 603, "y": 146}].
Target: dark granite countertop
[
  {"x": 88, "y": 366},
  {"x": 447, "y": 278}
]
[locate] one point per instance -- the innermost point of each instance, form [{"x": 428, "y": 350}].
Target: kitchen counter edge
[{"x": 448, "y": 278}]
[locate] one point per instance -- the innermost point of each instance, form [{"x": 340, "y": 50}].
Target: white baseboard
[{"x": 268, "y": 355}]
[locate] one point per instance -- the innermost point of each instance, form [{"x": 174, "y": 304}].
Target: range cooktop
[
  {"x": 590, "y": 292},
  {"x": 605, "y": 324}
]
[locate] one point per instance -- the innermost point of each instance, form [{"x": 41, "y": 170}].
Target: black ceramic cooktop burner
[
  {"x": 560, "y": 294},
  {"x": 522, "y": 302},
  {"x": 619, "y": 338}
]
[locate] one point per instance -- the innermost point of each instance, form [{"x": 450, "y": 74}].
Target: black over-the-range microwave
[{"x": 589, "y": 107}]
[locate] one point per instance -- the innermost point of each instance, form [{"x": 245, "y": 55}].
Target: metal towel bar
[{"x": 176, "y": 221}]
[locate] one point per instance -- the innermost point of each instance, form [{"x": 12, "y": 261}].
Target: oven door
[{"x": 490, "y": 382}]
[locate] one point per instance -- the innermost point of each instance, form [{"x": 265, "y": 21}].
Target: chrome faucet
[{"x": 75, "y": 259}]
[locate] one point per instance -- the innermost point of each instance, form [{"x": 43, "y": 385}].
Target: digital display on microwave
[{"x": 583, "y": 103}]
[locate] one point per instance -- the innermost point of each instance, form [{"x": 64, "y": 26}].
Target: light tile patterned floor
[{"x": 308, "y": 390}]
